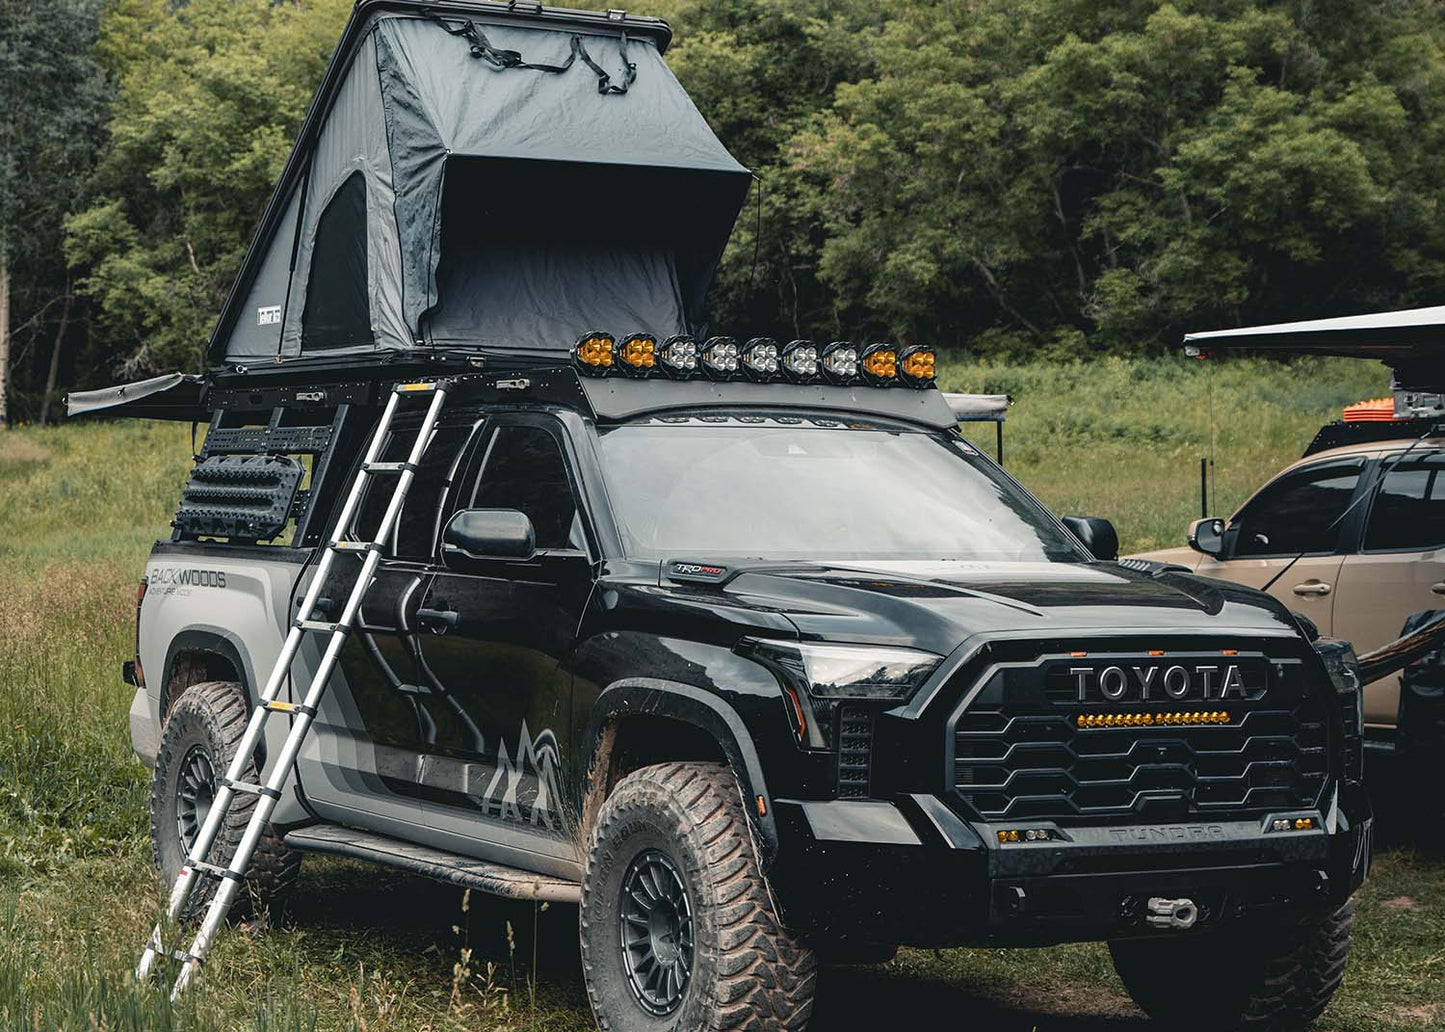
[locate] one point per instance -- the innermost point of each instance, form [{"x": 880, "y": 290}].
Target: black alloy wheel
[
  {"x": 655, "y": 919},
  {"x": 195, "y": 792}
]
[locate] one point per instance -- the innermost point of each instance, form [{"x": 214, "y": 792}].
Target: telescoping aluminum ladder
[{"x": 231, "y": 876}]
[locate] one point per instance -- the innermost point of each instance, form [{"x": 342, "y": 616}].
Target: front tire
[
  {"x": 198, "y": 742},
  {"x": 677, "y": 929},
  {"x": 1262, "y": 980}
]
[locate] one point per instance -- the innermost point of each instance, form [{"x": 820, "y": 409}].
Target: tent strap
[{"x": 482, "y": 47}]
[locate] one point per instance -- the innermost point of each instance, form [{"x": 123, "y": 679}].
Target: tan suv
[
  {"x": 1358, "y": 578},
  {"x": 1353, "y": 534}
]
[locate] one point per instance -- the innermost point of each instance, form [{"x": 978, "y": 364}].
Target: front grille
[{"x": 1018, "y": 752}]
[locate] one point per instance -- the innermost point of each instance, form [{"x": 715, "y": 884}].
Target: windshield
[{"x": 750, "y": 487}]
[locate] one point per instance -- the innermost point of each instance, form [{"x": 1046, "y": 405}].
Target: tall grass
[{"x": 364, "y": 949}]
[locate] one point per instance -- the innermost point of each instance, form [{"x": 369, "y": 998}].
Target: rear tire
[
  {"x": 198, "y": 742},
  {"x": 1260, "y": 979},
  {"x": 671, "y": 869}
]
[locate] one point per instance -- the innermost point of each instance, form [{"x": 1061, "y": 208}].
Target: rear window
[{"x": 1408, "y": 511}]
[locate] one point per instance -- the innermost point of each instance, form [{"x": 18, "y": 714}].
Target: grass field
[{"x": 368, "y": 949}]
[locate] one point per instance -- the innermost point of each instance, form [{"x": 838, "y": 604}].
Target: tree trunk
[
  {"x": 4, "y": 338},
  {"x": 54, "y": 374}
]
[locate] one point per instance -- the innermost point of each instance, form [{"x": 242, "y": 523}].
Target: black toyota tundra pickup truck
[{"x": 764, "y": 675}]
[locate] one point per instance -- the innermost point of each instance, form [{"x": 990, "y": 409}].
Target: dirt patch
[
  {"x": 1400, "y": 903},
  {"x": 1072, "y": 1001},
  {"x": 1422, "y": 1016},
  {"x": 17, "y": 449}
]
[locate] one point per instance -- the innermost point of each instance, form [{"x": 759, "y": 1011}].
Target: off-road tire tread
[
  {"x": 1293, "y": 987},
  {"x": 767, "y": 979},
  {"x": 275, "y": 866}
]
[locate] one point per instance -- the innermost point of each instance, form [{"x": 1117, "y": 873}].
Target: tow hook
[{"x": 1172, "y": 913}]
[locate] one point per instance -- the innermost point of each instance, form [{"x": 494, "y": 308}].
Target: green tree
[
  {"x": 53, "y": 92},
  {"x": 210, "y": 96},
  {"x": 1028, "y": 174}
]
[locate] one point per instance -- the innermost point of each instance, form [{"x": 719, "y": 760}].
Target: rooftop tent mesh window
[
  {"x": 534, "y": 253},
  {"x": 337, "y": 311}
]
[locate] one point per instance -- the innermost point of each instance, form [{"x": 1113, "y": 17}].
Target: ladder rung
[
  {"x": 248, "y": 788},
  {"x": 416, "y": 388},
  {"x": 354, "y": 546},
  {"x": 323, "y": 626},
  {"x": 291, "y": 707},
  {"x": 389, "y": 467},
  {"x": 214, "y": 871}
]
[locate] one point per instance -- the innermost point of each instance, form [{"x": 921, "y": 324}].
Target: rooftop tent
[{"x": 471, "y": 176}]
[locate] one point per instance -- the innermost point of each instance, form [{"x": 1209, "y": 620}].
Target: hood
[{"x": 936, "y": 606}]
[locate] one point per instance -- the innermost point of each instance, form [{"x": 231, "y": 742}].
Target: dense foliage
[{"x": 1051, "y": 177}]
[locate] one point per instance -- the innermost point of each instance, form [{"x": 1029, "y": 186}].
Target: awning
[
  {"x": 169, "y": 396},
  {"x": 1411, "y": 341}
]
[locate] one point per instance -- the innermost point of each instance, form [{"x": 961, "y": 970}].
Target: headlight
[
  {"x": 1344, "y": 670},
  {"x": 818, "y": 677}
]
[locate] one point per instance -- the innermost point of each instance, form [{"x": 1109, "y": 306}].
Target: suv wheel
[
  {"x": 198, "y": 742},
  {"x": 677, "y": 928},
  {"x": 1258, "y": 979}
]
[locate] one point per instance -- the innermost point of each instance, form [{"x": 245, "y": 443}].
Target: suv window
[
  {"x": 417, "y": 528},
  {"x": 1409, "y": 507},
  {"x": 525, "y": 470},
  {"x": 1300, "y": 512}
]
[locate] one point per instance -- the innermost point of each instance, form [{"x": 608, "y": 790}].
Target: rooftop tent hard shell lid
[{"x": 488, "y": 176}]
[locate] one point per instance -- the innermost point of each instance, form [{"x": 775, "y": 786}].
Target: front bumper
[{"x": 912, "y": 872}]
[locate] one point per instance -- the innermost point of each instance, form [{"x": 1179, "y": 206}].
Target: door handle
[
  {"x": 437, "y": 621},
  {"x": 1438, "y": 587},
  {"x": 1316, "y": 588}
]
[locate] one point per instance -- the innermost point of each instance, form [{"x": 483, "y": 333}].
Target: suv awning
[
  {"x": 170, "y": 396},
  {"x": 1411, "y": 341}
]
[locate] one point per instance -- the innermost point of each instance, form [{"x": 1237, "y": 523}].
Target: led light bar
[
  {"x": 917, "y": 365},
  {"x": 720, "y": 358},
  {"x": 1096, "y": 720},
  {"x": 879, "y": 363},
  {"x": 840, "y": 362},
  {"x": 638, "y": 354},
  {"x": 760, "y": 359},
  {"x": 799, "y": 361},
  {"x": 594, "y": 352},
  {"x": 678, "y": 355}
]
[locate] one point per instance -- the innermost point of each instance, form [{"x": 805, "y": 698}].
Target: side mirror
[
  {"x": 1207, "y": 536},
  {"x": 488, "y": 534},
  {"x": 1097, "y": 534}
]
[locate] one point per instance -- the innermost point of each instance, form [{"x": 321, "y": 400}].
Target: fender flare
[
  {"x": 205, "y": 638},
  {"x": 651, "y": 696}
]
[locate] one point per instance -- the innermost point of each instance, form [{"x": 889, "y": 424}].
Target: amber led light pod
[
  {"x": 594, "y": 352},
  {"x": 879, "y": 364},
  {"x": 917, "y": 365},
  {"x": 638, "y": 353}
]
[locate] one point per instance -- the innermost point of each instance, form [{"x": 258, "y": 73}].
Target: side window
[
  {"x": 418, "y": 526},
  {"x": 1409, "y": 507},
  {"x": 525, "y": 470},
  {"x": 1301, "y": 512}
]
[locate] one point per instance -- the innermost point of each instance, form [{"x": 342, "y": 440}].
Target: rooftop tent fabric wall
[
  {"x": 351, "y": 142},
  {"x": 256, "y": 334},
  {"x": 443, "y": 103}
]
